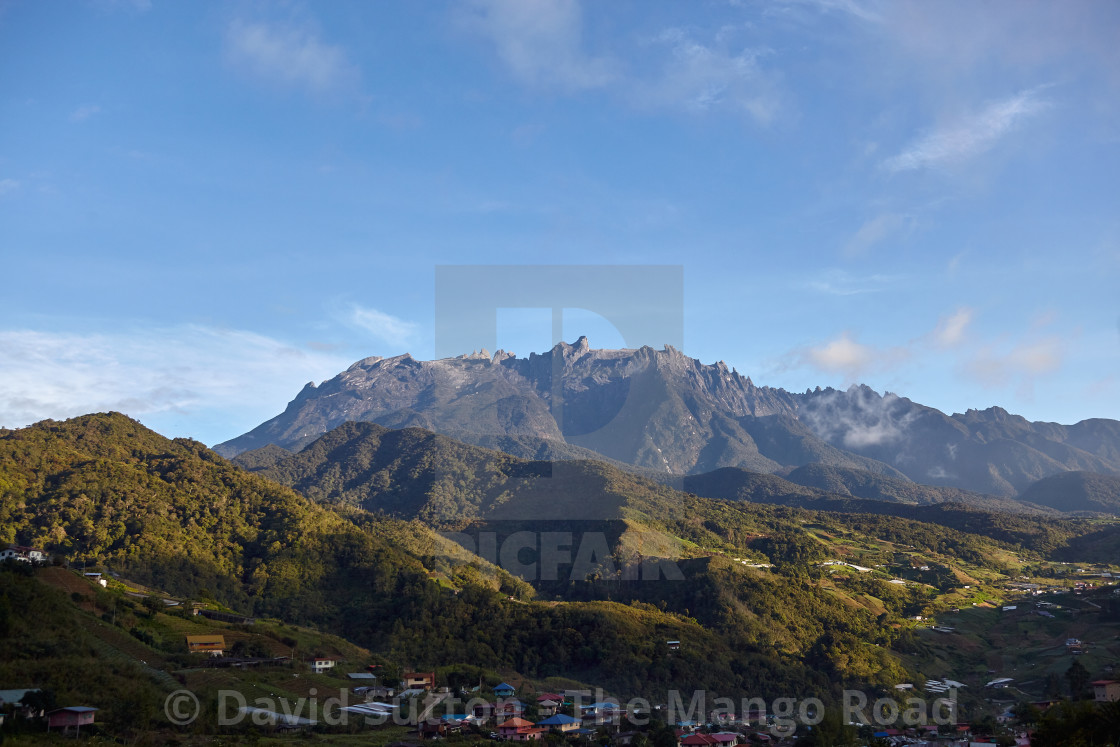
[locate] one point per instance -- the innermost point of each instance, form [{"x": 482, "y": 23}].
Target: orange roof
[
  {"x": 515, "y": 723},
  {"x": 206, "y": 641}
]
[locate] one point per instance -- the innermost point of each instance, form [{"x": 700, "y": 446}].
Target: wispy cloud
[
  {"x": 84, "y": 112},
  {"x": 149, "y": 371},
  {"x": 384, "y": 327},
  {"x": 998, "y": 367},
  {"x": 7, "y": 186},
  {"x": 541, "y": 42},
  {"x": 853, "y": 360},
  {"x": 951, "y": 330},
  {"x": 290, "y": 55},
  {"x": 842, "y": 283},
  {"x": 702, "y": 76},
  {"x": 970, "y": 136},
  {"x": 846, "y": 356},
  {"x": 860, "y": 10},
  {"x": 872, "y": 232}
]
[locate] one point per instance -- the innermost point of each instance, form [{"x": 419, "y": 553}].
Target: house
[
  {"x": 321, "y": 664},
  {"x": 214, "y": 645},
  {"x": 508, "y": 709},
  {"x": 673, "y": 645},
  {"x": 364, "y": 676},
  {"x": 73, "y": 717},
  {"x": 420, "y": 681},
  {"x": 504, "y": 690},
  {"x": 560, "y": 723},
  {"x": 602, "y": 714},
  {"x": 23, "y": 554},
  {"x": 445, "y": 727},
  {"x": 548, "y": 707},
  {"x": 699, "y": 740},
  {"x": 15, "y": 697},
  {"x": 1106, "y": 691},
  {"x": 519, "y": 730}
]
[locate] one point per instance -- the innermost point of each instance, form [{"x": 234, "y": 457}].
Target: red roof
[
  {"x": 515, "y": 723},
  {"x": 549, "y": 696},
  {"x": 1106, "y": 682},
  {"x": 700, "y": 740}
]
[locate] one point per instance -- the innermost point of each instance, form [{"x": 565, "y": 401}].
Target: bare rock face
[{"x": 663, "y": 411}]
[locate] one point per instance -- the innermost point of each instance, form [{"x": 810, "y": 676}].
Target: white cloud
[
  {"x": 862, "y": 11},
  {"x": 541, "y": 42},
  {"x": 843, "y": 355},
  {"x": 84, "y": 112},
  {"x": 854, "y": 360},
  {"x": 8, "y": 186},
  {"x": 841, "y": 283},
  {"x": 184, "y": 370},
  {"x": 292, "y": 55},
  {"x": 385, "y": 327},
  {"x": 950, "y": 331},
  {"x": 969, "y": 136},
  {"x": 847, "y": 357},
  {"x": 872, "y": 232},
  {"x": 1021, "y": 364},
  {"x": 702, "y": 77}
]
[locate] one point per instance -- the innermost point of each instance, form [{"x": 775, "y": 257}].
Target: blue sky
[{"x": 205, "y": 205}]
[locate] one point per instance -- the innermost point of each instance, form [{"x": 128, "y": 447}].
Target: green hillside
[
  {"x": 766, "y": 600},
  {"x": 1077, "y": 491}
]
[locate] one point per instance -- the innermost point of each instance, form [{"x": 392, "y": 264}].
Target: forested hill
[
  {"x": 104, "y": 490},
  {"x": 757, "y": 600}
]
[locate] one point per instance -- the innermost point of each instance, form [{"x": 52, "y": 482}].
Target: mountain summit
[{"x": 662, "y": 411}]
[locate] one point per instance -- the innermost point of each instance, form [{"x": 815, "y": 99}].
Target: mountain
[
  {"x": 986, "y": 451},
  {"x": 864, "y": 485},
  {"x": 412, "y": 474},
  {"x": 660, "y": 411},
  {"x": 1077, "y": 491}
]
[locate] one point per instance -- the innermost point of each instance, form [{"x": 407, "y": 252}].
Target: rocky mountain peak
[{"x": 662, "y": 410}]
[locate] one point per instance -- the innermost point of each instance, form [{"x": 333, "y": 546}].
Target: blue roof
[
  {"x": 75, "y": 709},
  {"x": 504, "y": 686},
  {"x": 559, "y": 719}
]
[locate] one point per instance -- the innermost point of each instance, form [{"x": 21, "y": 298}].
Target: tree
[
  {"x": 1026, "y": 712},
  {"x": 39, "y": 701},
  {"x": 1078, "y": 678}
]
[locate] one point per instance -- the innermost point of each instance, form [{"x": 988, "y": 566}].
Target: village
[{"x": 376, "y": 700}]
